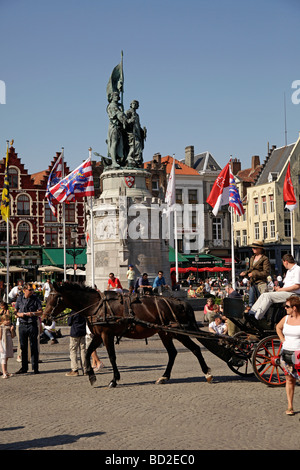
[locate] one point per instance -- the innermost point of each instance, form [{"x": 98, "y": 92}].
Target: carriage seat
[{"x": 233, "y": 307}]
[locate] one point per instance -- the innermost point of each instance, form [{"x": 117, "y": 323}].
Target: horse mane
[{"x": 74, "y": 286}]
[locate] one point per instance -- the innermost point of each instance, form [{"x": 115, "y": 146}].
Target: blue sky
[{"x": 208, "y": 73}]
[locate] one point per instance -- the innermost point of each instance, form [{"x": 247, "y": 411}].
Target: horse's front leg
[
  {"x": 172, "y": 353},
  {"x": 95, "y": 343},
  {"x": 110, "y": 347}
]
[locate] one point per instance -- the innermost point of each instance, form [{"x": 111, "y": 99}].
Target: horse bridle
[{"x": 60, "y": 298}]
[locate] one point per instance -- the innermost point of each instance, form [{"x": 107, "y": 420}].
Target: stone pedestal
[{"x": 127, "y": 229}]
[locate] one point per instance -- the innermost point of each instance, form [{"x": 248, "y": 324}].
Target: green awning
[
  {"x": 206, "y": 259},
  {"x": 181, "y": 258},
  {"x": 55, "y": 257}
]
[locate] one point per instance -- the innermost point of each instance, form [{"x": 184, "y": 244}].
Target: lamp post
[
  {"x": 197, "y": 261},
  {"x": 73, "y": 251}
]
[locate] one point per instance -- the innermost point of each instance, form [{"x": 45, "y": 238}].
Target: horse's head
[
  {"x": 55, "y": 303},
  {"x": 74, "y": 296}
]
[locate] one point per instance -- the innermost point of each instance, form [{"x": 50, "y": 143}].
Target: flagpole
[
  {"x": 232, "y": 250},
  {"x": 232, "y": 241},
  {"x": 292, "y": 236},
  {"x": 64, "y": 221},
  {"x": 7, "y": 240},
  {"x": 175, "y": 229},
  {"x": 92, "y": 232}
]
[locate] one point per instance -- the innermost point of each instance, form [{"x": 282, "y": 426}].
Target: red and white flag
[
  {"x": 76, "y": 185},
  {"x": 288, "y": 191},
  {"x": 219, "y": 195}
]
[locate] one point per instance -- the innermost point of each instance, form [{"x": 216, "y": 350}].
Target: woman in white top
[{"x": 288, "y": 330}]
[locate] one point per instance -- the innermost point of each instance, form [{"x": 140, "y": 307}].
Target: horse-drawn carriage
[
  {"x": 254, "y": 350},
  {"x": 260, "y": 354}
]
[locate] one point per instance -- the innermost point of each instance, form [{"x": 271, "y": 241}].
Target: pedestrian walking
[{"x": 77, "y": 343}]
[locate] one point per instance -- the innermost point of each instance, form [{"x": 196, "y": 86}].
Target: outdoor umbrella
[
  {"x": 13, "y": 269},
  {"x": 50, "y": 269}
]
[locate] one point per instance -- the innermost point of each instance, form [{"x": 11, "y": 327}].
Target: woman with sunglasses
[{"x": 288, "y": 330}]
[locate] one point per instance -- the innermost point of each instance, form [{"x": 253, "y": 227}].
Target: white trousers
[{"x": 265, "y": 300}]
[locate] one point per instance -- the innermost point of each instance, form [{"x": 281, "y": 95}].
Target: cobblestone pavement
[{"x": 50, "y": 411}]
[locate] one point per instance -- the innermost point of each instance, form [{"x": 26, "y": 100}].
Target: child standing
[{"x": 7, "y": 333}]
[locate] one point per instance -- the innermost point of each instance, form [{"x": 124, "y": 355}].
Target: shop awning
[
  {"x": 215, "y": 269},
  {"x": 55, "y": 257},
  {"x": 206, "y": 259},
  {"x": 172, "y": 256}
]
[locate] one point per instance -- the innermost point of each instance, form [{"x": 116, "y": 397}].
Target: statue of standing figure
[
  {"x": 136, "y": 136},
  {"x": 117, "y": 123}
]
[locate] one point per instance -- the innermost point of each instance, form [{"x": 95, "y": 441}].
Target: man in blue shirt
[
  {"x": 159, "y": 282},
  {"x": 28, "y": 307}
]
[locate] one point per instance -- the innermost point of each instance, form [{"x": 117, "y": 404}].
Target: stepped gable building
[{"x": 36, "y": 237}]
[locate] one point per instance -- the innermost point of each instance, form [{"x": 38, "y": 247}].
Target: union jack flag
[
  {"x": 76, "y": 185},
  {"x": 234, "y": 197},
  {"x": 54, "y": 177}
]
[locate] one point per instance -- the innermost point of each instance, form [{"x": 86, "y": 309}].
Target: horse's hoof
[
  {"x": 208, "y": 376},
  {"x": 92, "y": 379},
  {"x": 112, "y": 384},
  {"x": 162, "y": 380}
]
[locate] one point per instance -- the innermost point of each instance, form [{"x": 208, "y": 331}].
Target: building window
[
  {"x": 23, "y": 234},
  {"x": 272, "y": 228},
  {"x": 70, "y": 212},
  {"x": 23, "y": 205},
  {"x": 179, "y": 196},
  {"x": 3, "y": 234},
  {"x": 217, "y": 228},
  {"x": 265, "y": 230},
  {"x": 256, "y": 231},
  {"x": 264, "y": 204},
  {"x": 255, "y": 206},
  {"x": 13, "y": 176},
  {"x": 193, "y": 198},
  {"x": 238, "y": 238},
  {"x": 287, "y": 227},
  {"x": 271, "y": 201},
  {"x": 155, "y": 185},
  {"x": 51, "y": 234},
  {"x": 245, "y": 241},
  {"x": 49, "y": 216}
]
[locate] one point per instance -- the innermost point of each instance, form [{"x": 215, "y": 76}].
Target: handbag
[{"x": 296, "y": 359}]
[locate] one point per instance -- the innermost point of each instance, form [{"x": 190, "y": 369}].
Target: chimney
[
  {"x": 189, "y": 156},
  {"x": 157, "y": 158},
  {"x": 236, "y": 166},
  {"x": 255, "y": 162}
]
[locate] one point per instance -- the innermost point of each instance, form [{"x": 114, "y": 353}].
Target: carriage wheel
[
  {"x": 266, "y": 362},
  {"x": 242, "y": 364}
]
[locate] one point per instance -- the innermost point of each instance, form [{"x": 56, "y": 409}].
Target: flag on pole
[
  {"x": 234, "y": 197},
  {"x": 219, "y": 195},
  {"x": 170, "y": 197},
  {"x": 76, "y": 185},
  {"x": 5, "y": 192},
  {"x": 288, "y": 191},
  {"x": 116, "y": 80},
  {"x": 54, "y": 178}
]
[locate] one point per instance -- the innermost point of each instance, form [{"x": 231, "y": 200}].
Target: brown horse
[{"x": 112, "y": 315}]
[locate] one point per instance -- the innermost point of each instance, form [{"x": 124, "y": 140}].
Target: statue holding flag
[{"x": 125, "y": 141}]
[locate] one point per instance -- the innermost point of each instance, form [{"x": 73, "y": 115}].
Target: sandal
[
  {"x": 5, "y": 376},
  {"x": 290, "y": 412}
]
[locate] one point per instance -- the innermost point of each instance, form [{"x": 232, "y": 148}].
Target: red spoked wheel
[{"x": 266, "y": 362}]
